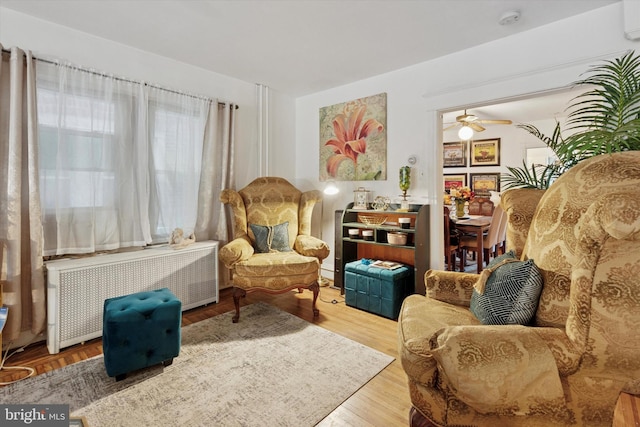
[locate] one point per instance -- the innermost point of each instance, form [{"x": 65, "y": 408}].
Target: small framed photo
[
  {"x": 483, "y": 183},
  {"x": 454, "y": 154},
  {"x": 454, "y": 180},
  {"x": 485, "y": 152}
]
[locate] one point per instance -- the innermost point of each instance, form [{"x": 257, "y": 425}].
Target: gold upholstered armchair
[
  {"x": 568, "y": 363},
  {"x": 272, "y": 249}
]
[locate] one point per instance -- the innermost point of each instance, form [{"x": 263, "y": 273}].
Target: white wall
[
  {"x": 282, "y": 138},
  {"x": 546, "y": 58},
  {"x": 48, "y": 40}
]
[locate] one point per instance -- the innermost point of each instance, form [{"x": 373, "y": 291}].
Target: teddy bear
[{"x": 178, "y": 241}]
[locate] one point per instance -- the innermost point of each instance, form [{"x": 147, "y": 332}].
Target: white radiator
[{"x": 77, "y": 288}]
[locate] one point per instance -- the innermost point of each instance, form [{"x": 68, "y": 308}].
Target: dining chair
[
  {"x": 451, "y": 241},
  {"x": 481, "y": 206},
  {"x": 502, "y": 234},
  {"x": 487, "y": 208},
  {"x": 489, "y": 241}
]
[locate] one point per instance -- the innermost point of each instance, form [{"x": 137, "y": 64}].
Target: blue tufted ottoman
[
  {"x": 140, "y": 330},
  {"x": 377, "y": 290}
]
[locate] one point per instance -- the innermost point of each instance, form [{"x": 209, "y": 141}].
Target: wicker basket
[
  {"x": 397, "y": 238},
  {"x": 372, "y": 220}
]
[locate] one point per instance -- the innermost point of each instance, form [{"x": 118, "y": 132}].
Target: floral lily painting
[{"x": 353, "y": 140}]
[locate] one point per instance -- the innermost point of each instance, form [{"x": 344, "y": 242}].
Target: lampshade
[
  {"x": 465, "y": 133},
  {"x": 330, "y": 189}
]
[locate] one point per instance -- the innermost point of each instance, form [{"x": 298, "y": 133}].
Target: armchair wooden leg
[
  {"x": 315, "y": 288},
  {"x": 416, "y": 419},
  {"x": 237, "y": 294}
]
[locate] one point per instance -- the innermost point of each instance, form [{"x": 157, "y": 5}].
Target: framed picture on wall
[
  {"x": 454, "y": 154},
  {"x": 485, "y": 152},
  {"x": 363, "y": 123},
  {"x": 453, "y": 179},
  {"x": 483, "y": 183}
]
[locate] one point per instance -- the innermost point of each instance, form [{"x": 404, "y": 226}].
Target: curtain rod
[{"x": 122, "y": 79}]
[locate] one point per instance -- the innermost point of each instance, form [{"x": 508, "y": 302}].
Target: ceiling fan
[{"x": 474, "y": 122}]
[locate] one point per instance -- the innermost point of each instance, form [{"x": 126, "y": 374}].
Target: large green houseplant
[{"x": 604, "y": 119}]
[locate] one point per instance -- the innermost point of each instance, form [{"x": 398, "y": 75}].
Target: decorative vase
[
  {"x": 460, "y": 207},
  {"x": 405, "y": 179},
  {"x": 405, "y": 183}
]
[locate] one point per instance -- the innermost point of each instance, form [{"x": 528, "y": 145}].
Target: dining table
[{"x": 474, "y": 224}]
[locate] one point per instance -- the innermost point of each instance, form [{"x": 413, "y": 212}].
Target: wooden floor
[{"x": 384, "y": 401}]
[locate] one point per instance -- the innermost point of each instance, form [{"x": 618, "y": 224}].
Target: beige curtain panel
[
  {"x": 21, "y": 242},
  {"x": 217, "y": 172},
  {"x": 23, "y": 231}
]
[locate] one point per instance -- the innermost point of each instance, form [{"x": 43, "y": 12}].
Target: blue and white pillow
[
  {"x": 497, "y": 260},
  {"x": 510, "y": 295}
]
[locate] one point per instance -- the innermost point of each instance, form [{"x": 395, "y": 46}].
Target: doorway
[{"x": 540, "y": 109}]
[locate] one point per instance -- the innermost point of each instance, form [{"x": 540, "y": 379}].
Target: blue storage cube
[{"x": 377, "y": 290}]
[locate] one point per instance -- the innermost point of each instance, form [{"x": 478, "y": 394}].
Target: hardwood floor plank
[
  {"x": 626, "y": 413},
  {"x": 383, "y": 401}
]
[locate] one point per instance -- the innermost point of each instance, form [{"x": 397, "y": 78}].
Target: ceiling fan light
[{"x": 465, "y": 133}]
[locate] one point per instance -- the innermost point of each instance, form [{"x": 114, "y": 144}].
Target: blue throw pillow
[
  {"x": 271, "y": 238},
  {"x": 510, "y": 295}
]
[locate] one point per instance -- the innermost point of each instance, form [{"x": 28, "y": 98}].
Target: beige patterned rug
[{"x": 270, "y": 369}]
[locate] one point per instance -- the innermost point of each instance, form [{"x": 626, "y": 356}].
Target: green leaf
[
  {"x": 604, "y": 119},
  {"x": 530, "y": 176}
]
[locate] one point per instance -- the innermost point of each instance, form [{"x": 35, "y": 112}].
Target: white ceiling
[
  {"x": 301, "y": 46},
  {"x": 554, "y": 105}
]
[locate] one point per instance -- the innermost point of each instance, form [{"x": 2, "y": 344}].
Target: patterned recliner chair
[
  {"x": 272, "y": 249},
  {"x": 583, "y": 347}
]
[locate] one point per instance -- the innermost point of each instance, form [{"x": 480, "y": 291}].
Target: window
[
  {"x": 119, "y": 161},
  {"x": 76, "y": 151},
  {"x": 176, "y": 135}
]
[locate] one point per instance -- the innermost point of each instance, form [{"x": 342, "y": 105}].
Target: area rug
[{"x": 270, "y": 369}]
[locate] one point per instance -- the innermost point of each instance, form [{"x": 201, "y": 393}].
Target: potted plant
[{"x": 604, "y": 119}]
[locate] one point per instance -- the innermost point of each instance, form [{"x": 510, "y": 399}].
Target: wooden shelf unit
[{"x": 415, "y": 253}]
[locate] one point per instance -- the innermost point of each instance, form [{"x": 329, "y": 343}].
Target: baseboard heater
[{"x": 77, "y": 288}]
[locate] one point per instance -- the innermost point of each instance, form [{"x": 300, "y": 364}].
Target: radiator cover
[{"x": 77, "y": 288}]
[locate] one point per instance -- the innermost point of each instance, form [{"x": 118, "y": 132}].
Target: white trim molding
[{"x": 262, "y": 95}]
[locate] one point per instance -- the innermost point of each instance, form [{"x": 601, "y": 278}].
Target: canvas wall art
[{"x": 353, "y": 140}]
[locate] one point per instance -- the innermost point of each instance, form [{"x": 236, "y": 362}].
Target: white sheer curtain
[
  {"x": 176, "y": 130},
  {"x": 21, "y": 264},
  {"x": 120, "y": 161},
  {"x": 91, "y": 142}
]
